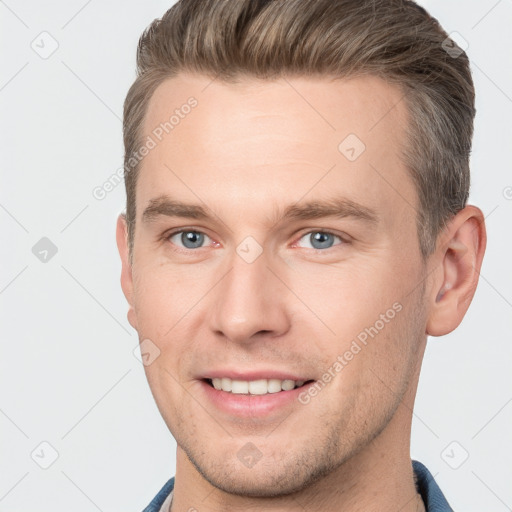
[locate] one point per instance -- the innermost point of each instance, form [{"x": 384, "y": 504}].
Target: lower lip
[{"x": 252, "y": 405}]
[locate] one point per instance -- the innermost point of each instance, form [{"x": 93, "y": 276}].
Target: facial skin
[{"x": 245, "y": 154}]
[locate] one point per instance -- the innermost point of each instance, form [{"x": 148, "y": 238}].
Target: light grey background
[{"x": 68, "y": 374}]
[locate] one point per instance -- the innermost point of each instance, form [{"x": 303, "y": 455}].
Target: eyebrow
[{"x": 340, "y": 207}]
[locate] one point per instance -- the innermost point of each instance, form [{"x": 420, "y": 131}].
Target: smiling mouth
[{"x": 255, "y": 387}]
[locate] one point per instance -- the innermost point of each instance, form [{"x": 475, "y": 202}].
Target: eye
[
  {"x": 320, "y": 239},
  {"x": 188, "y": 239}
]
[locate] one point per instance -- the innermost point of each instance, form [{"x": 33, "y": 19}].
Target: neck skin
[{"x": 379, "y": 478}]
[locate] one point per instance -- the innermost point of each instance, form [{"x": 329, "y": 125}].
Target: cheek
[
  {"x": 164, "y": 294},
  {"x": 167, "y": 301},
  {"x": 372, "y": 321},
  {"x": 374, "y": 376},
  {"x": 349, "y": 298}
]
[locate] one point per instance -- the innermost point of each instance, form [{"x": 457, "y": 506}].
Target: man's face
[{"x": 247, "y": 293}]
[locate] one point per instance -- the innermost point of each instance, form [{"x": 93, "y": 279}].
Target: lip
[
  {"x": 251, "y": 406},
  {"x": 253, "y": 375}
]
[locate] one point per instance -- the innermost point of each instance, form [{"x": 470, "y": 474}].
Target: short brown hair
[{"x": 396, "y": 40}]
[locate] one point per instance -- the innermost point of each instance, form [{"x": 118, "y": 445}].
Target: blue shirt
[{"x": 427, "y": 487}]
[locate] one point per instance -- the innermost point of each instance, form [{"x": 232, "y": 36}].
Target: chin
[
  {"x": 254, "y": 483},
  {"x": 281, "y": 475}
]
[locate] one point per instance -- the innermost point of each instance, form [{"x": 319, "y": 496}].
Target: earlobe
[
  {"x": 126, "y": 267},
  {"x": 458, "y": 260}
]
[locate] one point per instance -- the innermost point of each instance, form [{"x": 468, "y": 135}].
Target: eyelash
[{"x": 168, "y": 236}]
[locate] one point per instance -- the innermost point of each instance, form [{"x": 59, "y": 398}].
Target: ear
[
  {"x": 457, "y": 262},
  {"x": 126, "y": 269}
]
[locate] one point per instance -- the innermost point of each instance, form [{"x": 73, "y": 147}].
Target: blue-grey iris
[
  {"x": 323, "y": 240},
  {"x": 192, "y": 239}
]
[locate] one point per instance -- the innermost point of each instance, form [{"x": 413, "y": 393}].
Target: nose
[{"x": 250, "y": 302}]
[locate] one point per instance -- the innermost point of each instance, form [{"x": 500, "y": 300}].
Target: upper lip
[{"x": 250, "y": 375}]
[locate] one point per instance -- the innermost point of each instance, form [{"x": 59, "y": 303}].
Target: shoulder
[
  {"x": 159, "y": 499},
  {"x": 432, "y": 495}
]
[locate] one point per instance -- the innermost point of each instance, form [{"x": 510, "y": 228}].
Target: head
[{"x": 304, "y": 216}]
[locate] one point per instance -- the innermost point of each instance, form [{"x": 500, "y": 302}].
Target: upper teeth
[{"x": 255, "y": 387}]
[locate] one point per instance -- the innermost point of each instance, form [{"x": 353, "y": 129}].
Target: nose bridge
[{"x": 249, "y": 299}]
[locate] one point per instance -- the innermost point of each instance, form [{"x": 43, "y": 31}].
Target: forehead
[{"x": 276, "y": 140}]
